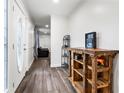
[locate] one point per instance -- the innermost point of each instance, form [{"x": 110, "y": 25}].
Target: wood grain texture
[
  {"x": 42, "y": 79},
  {"x": 88, "y": 76}
]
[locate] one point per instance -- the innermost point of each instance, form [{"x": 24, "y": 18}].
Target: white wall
[
  {"x": 59, "y": 27},
  {"x": 100, "y": 16},
  {"x": 45, "y": 41},
  {"x": 2, "y": 46},
  {"x": 14, "y": 77},
  {"x": 97, "y": 15}
]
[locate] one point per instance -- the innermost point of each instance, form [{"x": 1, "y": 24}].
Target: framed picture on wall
[{"x": 90, "y": 40}]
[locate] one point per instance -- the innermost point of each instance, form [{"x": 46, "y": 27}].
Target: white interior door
[
  {"x": 25, "y": 42},
  {"x": 20, "y": 38}
]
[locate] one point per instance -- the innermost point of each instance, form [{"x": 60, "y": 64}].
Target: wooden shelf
[
  {"x": 79, "y": 71},
  {"x": 79, "y": 86},
  {"x": 89, "y": 67},
  {"x": 99, "y": 69},
  {"x": 100, "y": 83},
  {"x": 78, "y": 52},
  {"x": 89, "y": 80},
  {"x": 88, "y": 75},
  {"x": 79, "y": 61},
  {"x": 102, "y": 69}
]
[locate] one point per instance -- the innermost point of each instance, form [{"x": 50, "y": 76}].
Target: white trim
[
  {"x": 20, "y": 5},
  {"x": 30, "y": 65},
  {"x": 1, "y": 46},
  {"x": 6, "y": 91}
]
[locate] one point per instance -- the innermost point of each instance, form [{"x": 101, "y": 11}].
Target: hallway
[
  {"x": 36, "y": 28},
  {"x": 43, "y": 79}
]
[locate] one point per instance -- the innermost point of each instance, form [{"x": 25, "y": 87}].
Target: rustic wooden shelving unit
[{"x": 91, "y": 70}]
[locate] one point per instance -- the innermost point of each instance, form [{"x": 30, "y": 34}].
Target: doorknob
[{"x": 25, "y": 49}]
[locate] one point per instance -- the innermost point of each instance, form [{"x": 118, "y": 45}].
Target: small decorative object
[
  {"x": 90, "y": 40},
  {"x": 66, "y": 41},
  {"x": 65, "y": 54},
  {"x": 100, "y": 61}
]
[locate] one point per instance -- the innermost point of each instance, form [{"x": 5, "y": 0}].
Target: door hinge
[
  {"x": 13, "y": 46},
  {"x": 13, "y": 8},
  {"x": 13, "y": 85}
]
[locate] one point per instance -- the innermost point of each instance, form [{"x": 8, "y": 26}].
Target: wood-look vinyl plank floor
[{"x": 42, "y": 79}]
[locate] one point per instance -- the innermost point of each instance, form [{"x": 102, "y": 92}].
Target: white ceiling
[{"x": 40, "y": 10}]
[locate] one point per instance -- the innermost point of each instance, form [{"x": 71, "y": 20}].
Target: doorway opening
[{"x": 43, "y": 37}]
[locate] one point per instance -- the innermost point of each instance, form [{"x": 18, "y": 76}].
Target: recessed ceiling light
[
  {"x": 46, "y": 26},
  {"x": 56, "y": 1}
]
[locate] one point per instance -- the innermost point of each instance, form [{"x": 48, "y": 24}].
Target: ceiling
[{"x": 40, "y": 10}]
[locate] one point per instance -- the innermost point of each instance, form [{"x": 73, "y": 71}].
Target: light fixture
[
  {"x": 56, "y": 1},
  {"x": 46, "y": 26}
]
